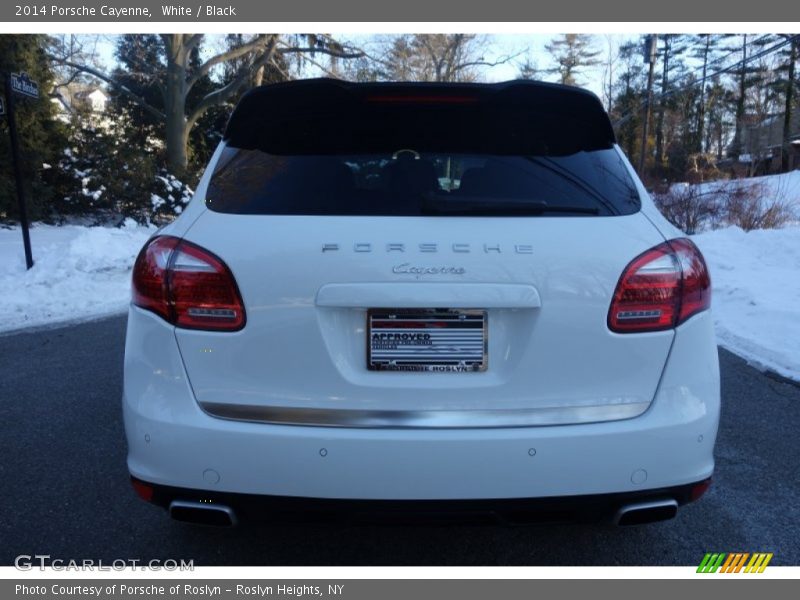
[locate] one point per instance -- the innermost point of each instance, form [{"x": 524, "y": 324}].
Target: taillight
[
  {"x": 187, "y": 286},
  {"x": 660, "y": 289}
]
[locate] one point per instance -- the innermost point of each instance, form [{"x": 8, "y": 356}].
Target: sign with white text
[{"x": 22, "y": 84}]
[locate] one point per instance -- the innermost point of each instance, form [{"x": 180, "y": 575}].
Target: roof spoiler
[{"x": 578, "y": 112}]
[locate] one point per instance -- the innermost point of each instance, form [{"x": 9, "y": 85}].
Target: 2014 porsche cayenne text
[{"x": 420, "y": 298}]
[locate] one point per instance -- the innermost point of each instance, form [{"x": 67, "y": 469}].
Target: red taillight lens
[
  {"x": 187, "y": 285},
  {"x": 696, "y": 292},
  {"x": 150, "y": 275},
  {"x": 660, "y": 289}
]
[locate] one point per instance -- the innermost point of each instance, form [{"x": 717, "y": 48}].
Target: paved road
[{"x": 65, "y": 489}]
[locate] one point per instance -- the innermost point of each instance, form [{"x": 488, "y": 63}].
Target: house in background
[
  {"x": 79, "y": 99},
  {"x": 762, "y": 140}
]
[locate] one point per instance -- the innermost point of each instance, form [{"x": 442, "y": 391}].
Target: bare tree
[
  {"x": 175, "y": 79},
  {"x": 528, "y": 70},
  {"x": 610, "y": 60},
  {"x": 694, "y": 207},
  {"x": 672, "y": 47},
  {"x": 751, "y": 207},
  {"x": 689, "y": 207},
  {"x": 438, "y": 57},
  {"x": 76, "y": 48},
  {"x": 788, "y": 106}
]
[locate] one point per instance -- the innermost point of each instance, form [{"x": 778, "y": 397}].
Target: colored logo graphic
[{"x": 734, "y": 562}]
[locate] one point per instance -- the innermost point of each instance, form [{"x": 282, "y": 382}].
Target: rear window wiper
[{"x": 471, "y": 205}]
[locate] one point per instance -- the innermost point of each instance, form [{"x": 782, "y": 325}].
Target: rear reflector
[
  {"x": 142, "y": 489},
  {"x": 660, "y": 289},
  {"x": 187, "y": 285},
  {"x": 698, "y": 489}
]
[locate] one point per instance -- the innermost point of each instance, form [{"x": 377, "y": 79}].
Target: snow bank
[
  {"x": 79, "y": 272},
  {"x": 756, "y": 294},
  {"x": 784, "y": 187}
]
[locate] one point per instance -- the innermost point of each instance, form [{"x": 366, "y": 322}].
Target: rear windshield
[{"x": 408, "y": 182}]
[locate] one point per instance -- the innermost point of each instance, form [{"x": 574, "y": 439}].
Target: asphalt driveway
[{"x": 66, "y": 493}]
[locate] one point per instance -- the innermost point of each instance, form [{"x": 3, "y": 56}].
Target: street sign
[
  {"x": 22, "y": 84},
  {"x": 19, "y": 83}
]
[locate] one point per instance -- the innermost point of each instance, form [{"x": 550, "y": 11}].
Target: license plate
[{"x": 433, "y": 340}]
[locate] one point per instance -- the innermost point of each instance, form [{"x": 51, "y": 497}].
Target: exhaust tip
[
  {"x": 646, "y": 512},
  {"x": 201, "y": 513}
]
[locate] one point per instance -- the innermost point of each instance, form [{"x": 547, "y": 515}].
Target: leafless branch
[
  {"x": 220, "y": 95},
  {"x": 321, "y": 67},
  {"x": 286, "y": 49},
  {"x": 113, "y": 83},
  {"x": 489, "y": 63},
  {"x": 259, "y": 42},
  {"x": 280, "y": 69},
  {"x": 73, "y": 76}
]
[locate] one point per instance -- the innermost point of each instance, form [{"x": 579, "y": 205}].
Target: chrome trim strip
[{"x": 424, "y": 419}]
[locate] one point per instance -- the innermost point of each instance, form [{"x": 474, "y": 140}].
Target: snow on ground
[
  {"x": 78, "y": 273},
  {"x": 784, "y": 187},
  {"x": 83, "y": 272},
  {"x": 755, "y": 300}
]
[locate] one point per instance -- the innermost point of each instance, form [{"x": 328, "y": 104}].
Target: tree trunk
[
  {"x": 787, "y": 115},
  {"x": 662, "y": 108},
  {"x": 175, "y": 83},
  {"x": 701, "y": 109},
  {"x": 737, "y": 136},
  {"x": 176, "y": 130}
]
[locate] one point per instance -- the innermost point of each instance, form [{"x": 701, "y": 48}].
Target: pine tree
[
  {"x": 572, "y": 53},
  {"x": 747, "y": 76},
  {"x": 528, "y": 70},
  {"x": 436, "y": 57},
  {"x": 139, "y": 60},
  {"x": 673, "y": 46},
  {"x": 629, "y": 93},
  {"x": 786, "y": 86},
  {"x": 679, "y": 127},
  {"x": 718, "y": 101},
  {"x": 42, "y": 137},
  {"x": 705, "y": 48}
]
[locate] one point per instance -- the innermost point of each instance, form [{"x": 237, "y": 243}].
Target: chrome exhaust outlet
[
  {"x": 646, "y": 512},
  {"x": 202, "y": 513}
]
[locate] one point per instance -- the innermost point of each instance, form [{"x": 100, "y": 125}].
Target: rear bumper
[
  {"x": 173, "y": 443},
  {"x": 587, "y": 508}
]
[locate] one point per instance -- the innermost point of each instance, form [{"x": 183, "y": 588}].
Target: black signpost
[{"x": 19, "y": 83}]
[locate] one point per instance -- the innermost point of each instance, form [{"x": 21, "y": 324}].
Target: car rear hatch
[{"x": 423, "y": 256}]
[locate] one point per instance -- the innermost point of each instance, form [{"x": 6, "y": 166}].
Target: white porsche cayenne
[{"x": 395, "y": 298}]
